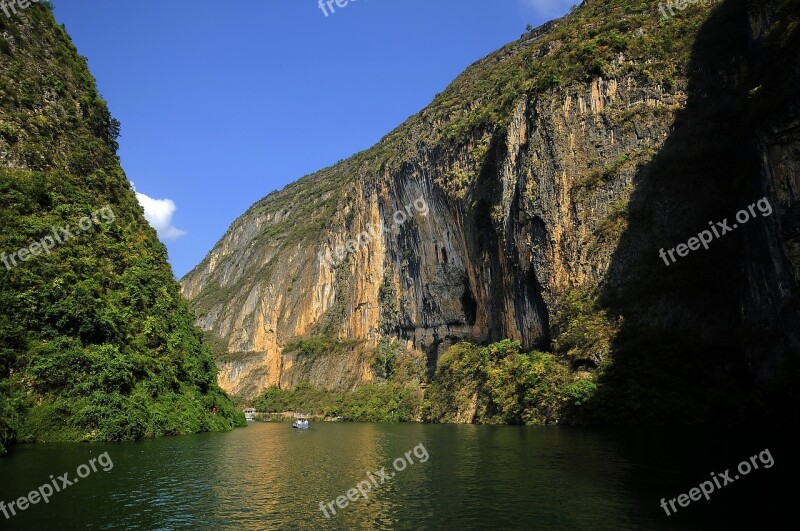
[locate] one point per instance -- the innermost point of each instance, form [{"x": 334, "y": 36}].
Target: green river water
[{"x": 270, "y": 476}]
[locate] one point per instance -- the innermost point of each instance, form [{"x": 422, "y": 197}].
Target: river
[{"x": 270, "y": 476}]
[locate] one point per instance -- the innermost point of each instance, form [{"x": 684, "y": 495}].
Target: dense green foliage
[
  {"x": 390, "y": 402},
  {"x": 496, "y": 384},
  {"x": 95, "y": 340},
  {"x": 584, "y": 329},
  {"x": 500, "y": 384},
  {"x": 385, "y": 358},
  {"x": 395, "y": 397}
]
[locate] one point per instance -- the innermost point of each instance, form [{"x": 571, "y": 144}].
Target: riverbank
[
  {"x": 496, "y": 384},
  {"x": 387, "y": 402},
  {"x": 290, "y": 416}
]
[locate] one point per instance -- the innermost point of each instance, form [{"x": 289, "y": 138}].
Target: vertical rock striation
[{"x": 552, "y": 172}]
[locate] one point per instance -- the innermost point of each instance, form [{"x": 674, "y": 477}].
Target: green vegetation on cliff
[
  {"x": 619, "y": 40},
  {"x": 556, "y": 167},
  {"x": 314, "y": 347},
  {"x": 495, "y": 384},
  {"x": 95, "y": 340},
  {"x": 394, "y": 397},
  {"x": 500, "y": 384},
  {"x": 390, "y": 402}
]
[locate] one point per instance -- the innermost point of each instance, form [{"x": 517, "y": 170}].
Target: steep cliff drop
[
  {"x": 549, "y": 176},
  {"x": 95, "y": 340}
]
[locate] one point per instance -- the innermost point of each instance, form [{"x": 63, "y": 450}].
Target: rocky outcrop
[
  {"x": 550, "y": 172},
  {"x": 773, "y": 275},
  {"x": 471, "y": 267}
]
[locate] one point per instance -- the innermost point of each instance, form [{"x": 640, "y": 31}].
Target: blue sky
[{"x": 224, "y": 102}]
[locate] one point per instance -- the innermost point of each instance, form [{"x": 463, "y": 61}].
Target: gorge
[{"x": 554, "y": 170}]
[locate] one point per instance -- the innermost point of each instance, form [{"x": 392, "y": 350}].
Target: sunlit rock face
[{"x": 534, "y": 176}]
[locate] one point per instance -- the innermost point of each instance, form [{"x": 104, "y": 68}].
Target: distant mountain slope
[
  {"x": 95, "y": 340},
  {"x": 551, "y": 174}
]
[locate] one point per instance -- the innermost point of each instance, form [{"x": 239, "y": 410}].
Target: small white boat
[
  {"x": 249, "y": 414},
  {"x": 300, "y": 423}
]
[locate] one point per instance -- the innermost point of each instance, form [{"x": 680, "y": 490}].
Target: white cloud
[
  {"x": 549, "y": 9},
  {"x": 159, "y": 212}
]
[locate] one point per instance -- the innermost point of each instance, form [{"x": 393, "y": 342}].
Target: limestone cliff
[{"x": 547, "y": 176}]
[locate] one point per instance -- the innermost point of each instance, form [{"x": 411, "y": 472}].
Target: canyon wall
[{"x": 551, "y": 172}]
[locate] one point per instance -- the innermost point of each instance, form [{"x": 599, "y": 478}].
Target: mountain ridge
[
  {"x": 534, "y": 164},
  {"x": 95, "y": 340}
]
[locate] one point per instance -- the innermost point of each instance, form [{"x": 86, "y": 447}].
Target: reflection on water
[{"x": 270, "y": 476}]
